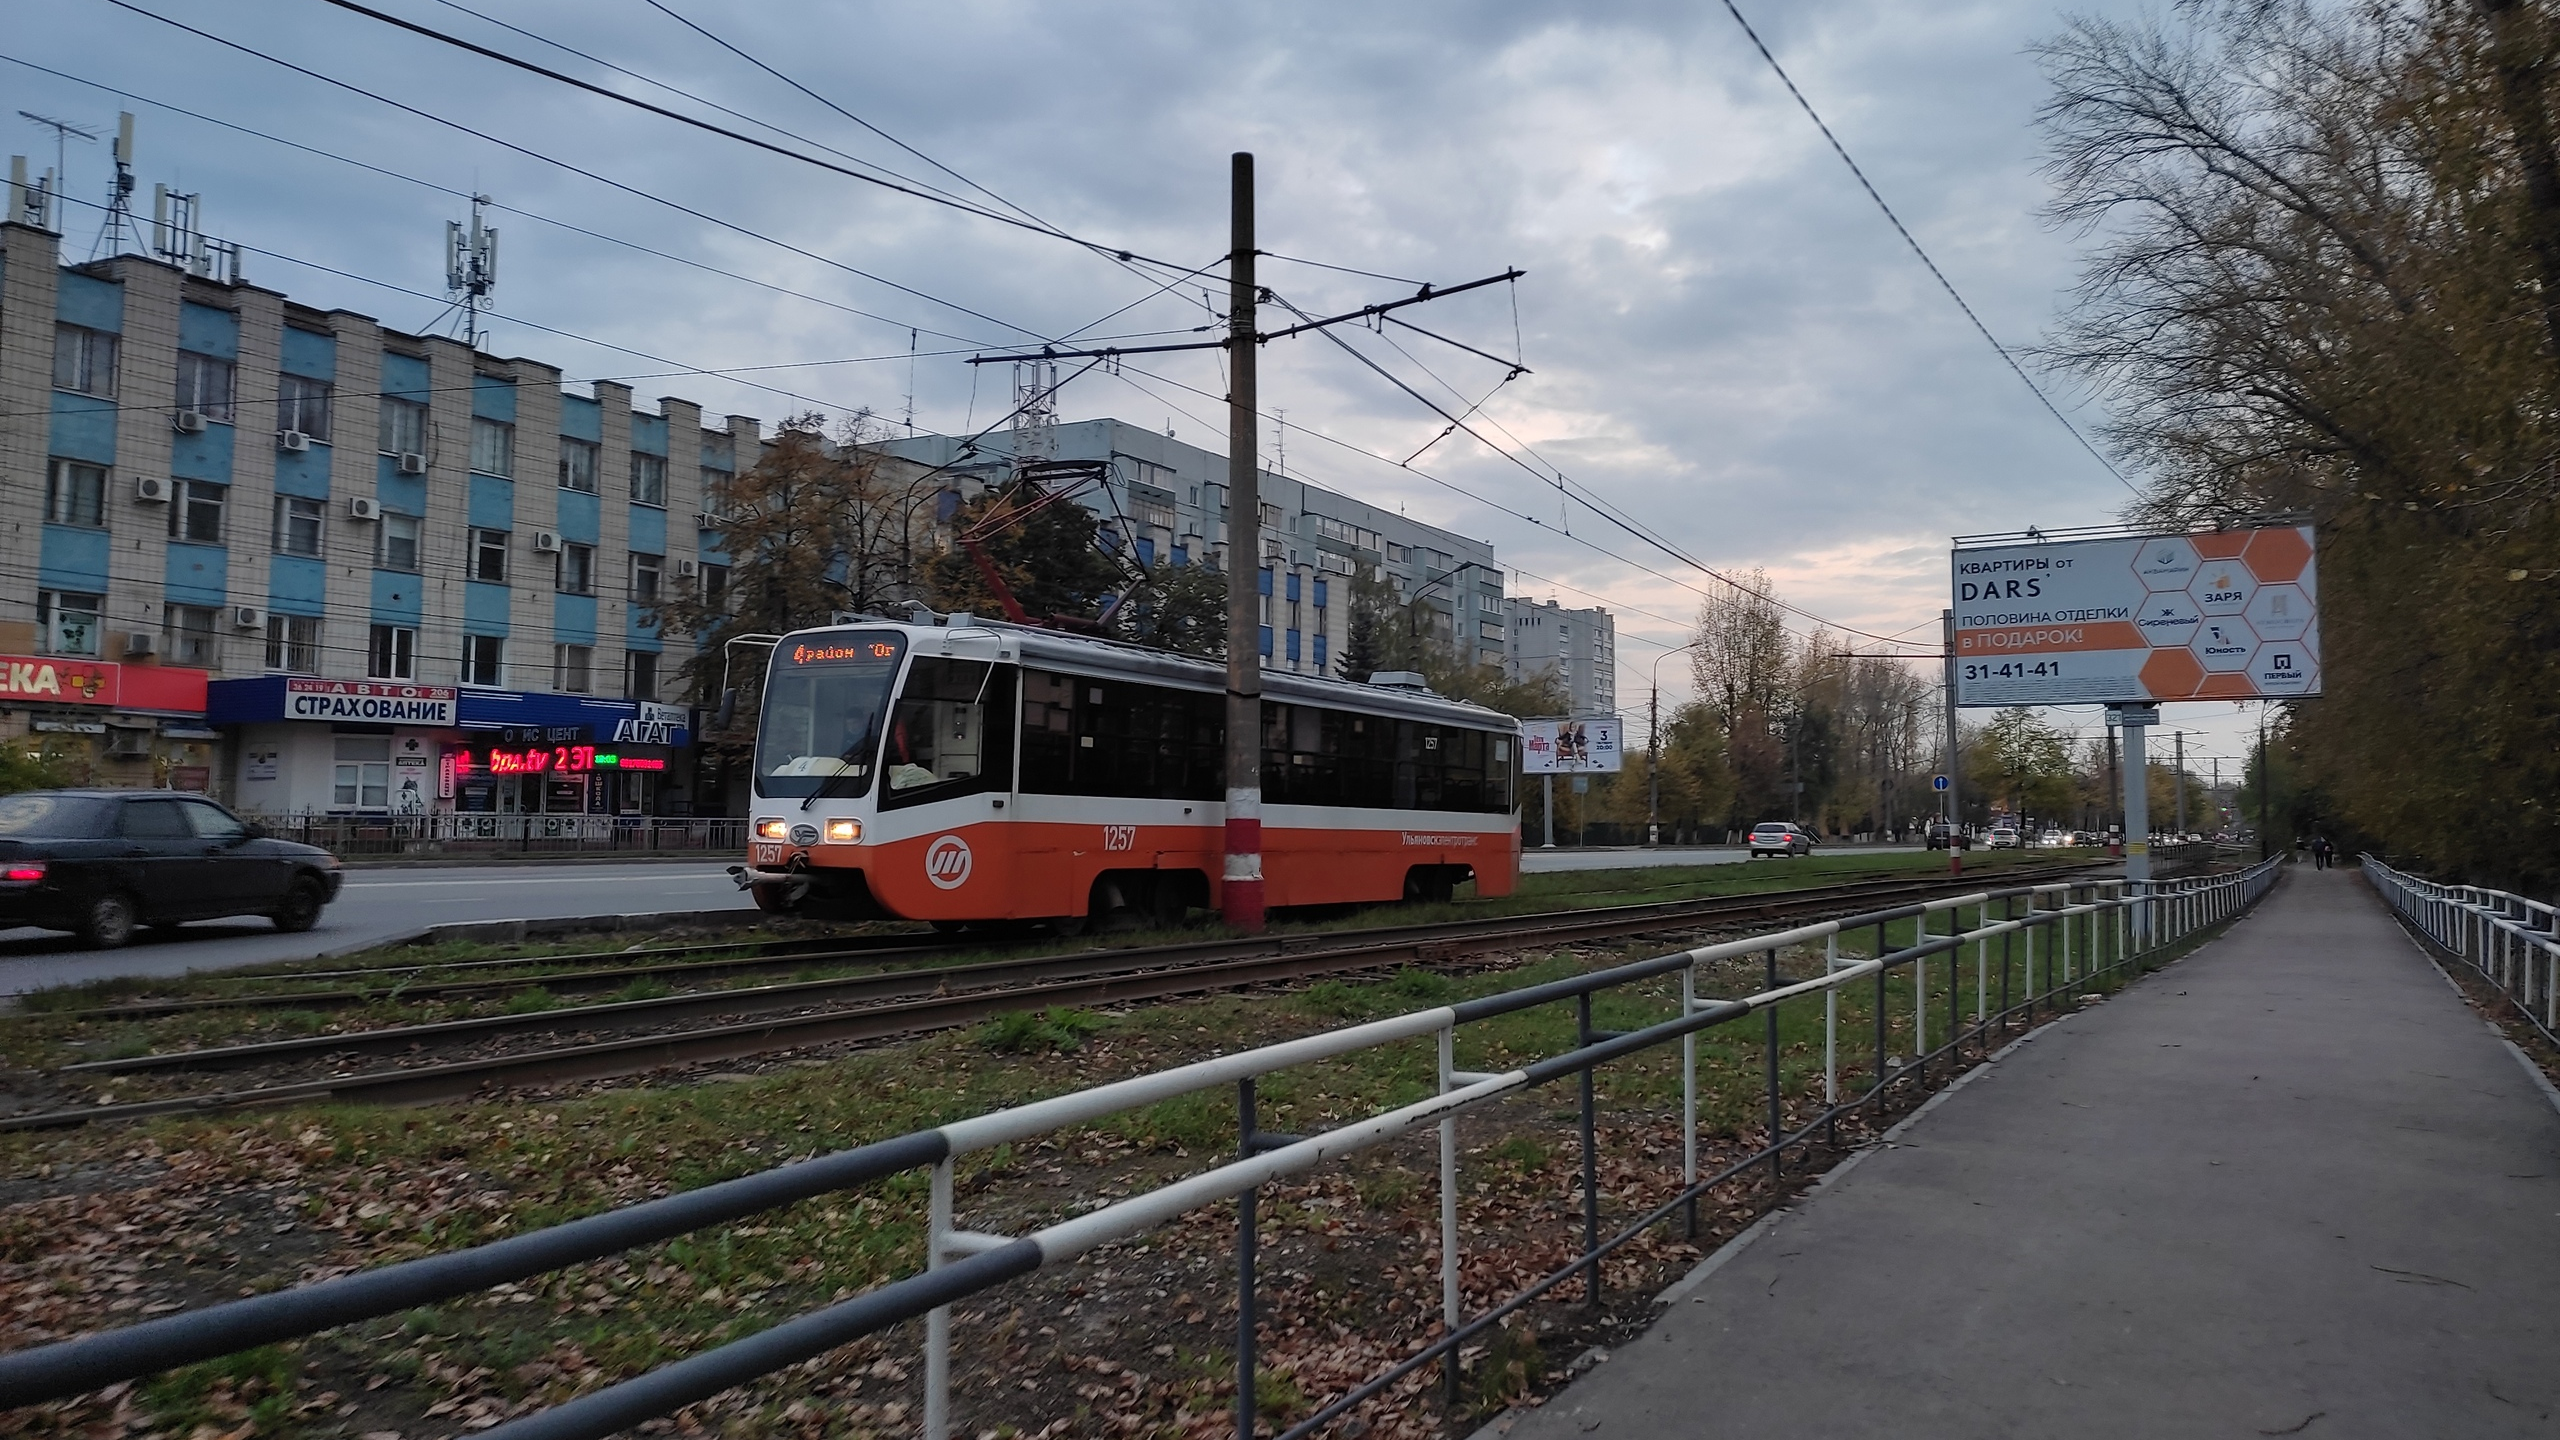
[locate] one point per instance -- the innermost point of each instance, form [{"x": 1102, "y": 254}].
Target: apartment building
[
  {"x": 1578, "y": 647},
  {"x": 1166, "y": 501},
  {"x": 347, "y": 569}
]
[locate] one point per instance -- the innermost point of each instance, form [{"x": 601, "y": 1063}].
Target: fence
[
  {"x": 2513, "y": 942},
  {"x": 446, "y": 833},
  {"x": 2088, "y": 930}
]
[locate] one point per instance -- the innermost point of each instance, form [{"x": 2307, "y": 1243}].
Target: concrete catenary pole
[
  {"x": 1955, "y": 752},
  {"x": 1240, "y": 894},
  {"x": 2182, "y": 786}
]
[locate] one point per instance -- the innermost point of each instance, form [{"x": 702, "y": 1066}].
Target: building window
[
  {"x": 484, "y": 660},
  {"x": 493, "y": 447},
  {"x": 404, "y": 426},
  {"x": 640, "y": 675},
  {"x": 391, "y": 653},
  {"x": 67, "y": 621},
  {"x": 302, "y": 403},
  {"x": 648, "y": 478},
  {"x": 293, "y": 644},
  {"x": 84, "y": 360},
  {"x": 298, "y": 525},
  {"x": 195, "y": 511},
  {"x": 489, "y": 556},
  {"x": 715, "y": 490},
  {"x": 577, "y": 569},
  {"x": 188, "y": 630},
  {"x": 75, "y": 493},
  {"x": 204, "y": 385},
  {"x": 578, "y": 465},
  {"x": 398, "y": 543},
  {"x": 572, "y": 669},
  {"x": 645, "y": 571},
  {"x": 715, "y": 586},
  {"x": 363, "y": 773}
]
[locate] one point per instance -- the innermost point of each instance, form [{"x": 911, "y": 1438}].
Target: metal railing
[
  {"x": 449, "y": 833},
  {"x": 2511, "y": 941},
  {"x": 2088, "y": 930}
]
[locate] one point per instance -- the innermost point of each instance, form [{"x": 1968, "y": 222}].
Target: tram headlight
[
  {"x": 843, "y": 832},
  {"x": 773, "y": 829}
]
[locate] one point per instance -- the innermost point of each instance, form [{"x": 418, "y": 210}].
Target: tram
[{"x": 974, "y": 772}]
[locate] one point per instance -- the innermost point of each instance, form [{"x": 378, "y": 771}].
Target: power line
[
  {"x": 532, "y": 154},
  {"x": 1913, "y": 241},
  {"x": 502, "y": 57}
]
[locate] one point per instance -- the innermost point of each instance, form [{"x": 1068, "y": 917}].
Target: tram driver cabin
[{"x": 986, "y": 773}]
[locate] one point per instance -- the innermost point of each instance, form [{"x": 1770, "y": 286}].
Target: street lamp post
[{"x": 1653, "y": 746}]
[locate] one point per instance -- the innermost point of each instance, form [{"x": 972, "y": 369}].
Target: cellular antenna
[
  {"x": 471, "y": 271},
  {"x": 1035, "y": 412},
  {"x": 119, "y": 229}
]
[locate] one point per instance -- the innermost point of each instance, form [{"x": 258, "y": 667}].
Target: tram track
[{"x": 877, "y": 1006}]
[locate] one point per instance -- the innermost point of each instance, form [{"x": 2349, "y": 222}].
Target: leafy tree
[
  {"x": 2023, "y": 764},
  {"x": 29, "y": 766},
  {"x": 1045, "y": 553},
  {"x": 1178, "y": 607},
  {"x": 2326, "y": 280},
  {"x": 1363, "y": 640}
]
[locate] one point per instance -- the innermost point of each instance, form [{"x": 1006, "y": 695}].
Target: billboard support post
[
  {"x": 1547, "y": 809},
  {"x": 1955, "y": 757},
  {"x": 2133, "y": 720}
]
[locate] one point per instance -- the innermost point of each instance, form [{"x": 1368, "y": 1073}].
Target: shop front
[
  {"x": 108, "y": 724},
  {"x": 378, "y": 748}
]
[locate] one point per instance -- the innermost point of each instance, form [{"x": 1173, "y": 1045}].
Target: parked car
[
  {"x": 2005, "y": 837},
  {"x": 2053, "y": 840},
  {"x": 100, "y": 863},
  {"x": 1777, "y": 837},
  {"x": 1941, "y": 834}
]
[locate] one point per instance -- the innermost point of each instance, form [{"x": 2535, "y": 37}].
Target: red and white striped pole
[{"x": 1240, "y": 891}]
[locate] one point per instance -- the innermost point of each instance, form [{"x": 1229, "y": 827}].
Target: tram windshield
[{"x": 823, "y": 702}]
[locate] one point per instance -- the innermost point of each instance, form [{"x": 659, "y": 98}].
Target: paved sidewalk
[{"x": 2289, "y": 1186}]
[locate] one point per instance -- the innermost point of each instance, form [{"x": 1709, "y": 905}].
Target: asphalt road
[
  {"x": 379, "y": 905},
  {"x": 1534, "y": 861},
  {"x": 376, "y": 906}
]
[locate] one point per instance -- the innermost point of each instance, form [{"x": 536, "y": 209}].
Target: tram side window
[
  {"x": 1316, "y": 756},
  {"x": 951, "y": 733},
  {"x": 1087, "y": 736}
]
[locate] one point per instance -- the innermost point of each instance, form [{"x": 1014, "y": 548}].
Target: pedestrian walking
[{"x": 2320, "y": 851}]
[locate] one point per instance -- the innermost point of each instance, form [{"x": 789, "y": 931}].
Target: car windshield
[
  {"x": 49, "y": 817},
  {"x": 822, "y": 706}
]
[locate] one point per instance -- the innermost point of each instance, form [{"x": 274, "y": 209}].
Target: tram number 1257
[{"x": 1119, "y": 837}]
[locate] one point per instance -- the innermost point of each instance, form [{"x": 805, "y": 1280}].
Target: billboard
[
  {"x": 1571, "y": 747},
  {"x": 2222, "y": 615}
]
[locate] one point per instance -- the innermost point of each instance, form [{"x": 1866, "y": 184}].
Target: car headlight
[
  {"x": 843, "y": 832},
  {"x": 773, "y": 829}
]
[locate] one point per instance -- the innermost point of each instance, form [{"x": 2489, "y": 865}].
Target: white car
[
  {"x": 2005, "y": 837},
  {"x": 1777, "y": 837},
  {"x": 2054, "y": 840}
]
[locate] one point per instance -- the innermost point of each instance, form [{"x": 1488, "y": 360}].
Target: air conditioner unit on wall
[
  {"x": 151, "y": 490},
  {"x": 687, "y": 569},
  {"x": 293, "y": 440},
  {"x": 413, "y": 463},
  {"x": 546, "y": 542},
  {"x": 248, "y": 617},
  {"x": 139, "y": 643},
  {"x": 363, "y": 507},
  {"x": 188, "y": 422}
]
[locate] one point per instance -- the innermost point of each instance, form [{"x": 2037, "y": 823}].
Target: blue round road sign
[{"x": 1938, "y": 782}]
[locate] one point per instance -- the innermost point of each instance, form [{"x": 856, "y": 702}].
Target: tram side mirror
[{"x": 728, "y": 707}]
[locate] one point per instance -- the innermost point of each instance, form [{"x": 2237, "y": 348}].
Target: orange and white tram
[{"x": 982, "y": 772}]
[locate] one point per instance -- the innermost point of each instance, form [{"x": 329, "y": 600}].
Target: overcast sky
[{"x": 1725, "y": 337}]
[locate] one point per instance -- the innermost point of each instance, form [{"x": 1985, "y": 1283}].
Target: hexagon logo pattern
[
  {"x": 2171, "y": 674},
  {"x": 2279, "y": 612},
  {"x": 2168, "y": 563},
  {"x": 2168, "y": 619},
  {"x": 2224, "y": 646},
  {"x": 2222, "y": 587}
]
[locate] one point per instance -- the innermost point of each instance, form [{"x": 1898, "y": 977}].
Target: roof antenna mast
[{"x": 471, "y": 271}]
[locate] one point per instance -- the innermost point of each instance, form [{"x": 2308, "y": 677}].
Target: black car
[{"x": 100, "y": 862}]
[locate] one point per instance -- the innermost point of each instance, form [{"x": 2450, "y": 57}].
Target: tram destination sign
[{"x": 2221, "y": 615}]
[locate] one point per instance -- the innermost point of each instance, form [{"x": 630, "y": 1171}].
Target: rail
[
  {"x": 2511, "y": 941},
  {"x": 451, "y": 833},
  {"x": 2089, "y": 929}
]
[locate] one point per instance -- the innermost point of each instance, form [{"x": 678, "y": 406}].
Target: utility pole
[
  {"x": 2115, "y": 785},
  {"x": 1955, "y": 757},
  {"x": 2217, "y": 791},
  {"x": 1653, "y": 764},
  {"x": 2263, "y": 834},
  {"x": 2182, "y": 786},
  {"x": 1240, "y": 896}
]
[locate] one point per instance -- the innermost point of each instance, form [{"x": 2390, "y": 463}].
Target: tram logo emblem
[{"x": 947, "y": 862}]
